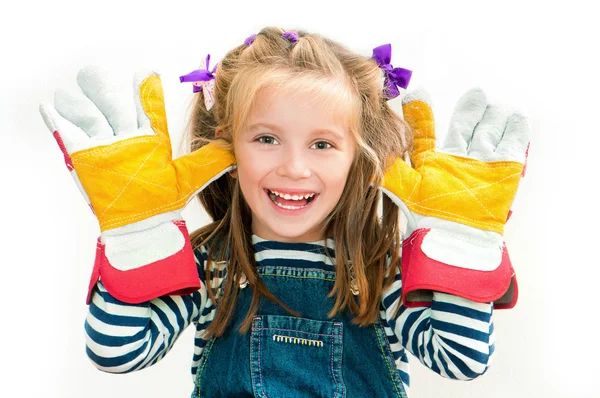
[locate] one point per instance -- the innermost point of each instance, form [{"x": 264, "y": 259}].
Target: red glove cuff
[
  {"x": 174, "y": 275},
  {"x": 421, "y": 275}
]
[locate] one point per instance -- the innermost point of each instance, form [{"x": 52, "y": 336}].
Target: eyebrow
[{"x": 274, "y": 127}]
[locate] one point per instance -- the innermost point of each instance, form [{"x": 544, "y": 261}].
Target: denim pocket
[{"x": 296, "y": 357}]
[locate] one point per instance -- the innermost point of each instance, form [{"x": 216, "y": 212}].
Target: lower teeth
[
  {"x": 273, "y": 196},
  {"x": 291, "y": 207}
]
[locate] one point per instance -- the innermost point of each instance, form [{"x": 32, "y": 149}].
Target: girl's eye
[
  {"x": 322, "y": 145},
  {"x": 267, "y": 139}
]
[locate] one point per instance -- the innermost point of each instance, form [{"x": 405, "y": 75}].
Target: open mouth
[{"x": 292, "y": 202}]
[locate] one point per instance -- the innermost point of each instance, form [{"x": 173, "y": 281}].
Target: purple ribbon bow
[
  {"x": 394, "y": 77},
  {"x": 292, "y": 37},
  {"x": 199, "y": 75}
]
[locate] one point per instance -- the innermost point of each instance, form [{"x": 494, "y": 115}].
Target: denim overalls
[{"x": 286, "y": 356}]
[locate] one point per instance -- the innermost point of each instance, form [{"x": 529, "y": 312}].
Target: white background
[{"x": 540, "y": 57}]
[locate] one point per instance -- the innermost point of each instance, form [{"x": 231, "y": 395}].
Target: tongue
[{"x": 290, "y": 202}]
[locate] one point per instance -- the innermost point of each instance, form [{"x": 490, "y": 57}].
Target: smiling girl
[
  {"x": 295, "y": 288},
  {"x": 293, "y": 161}
]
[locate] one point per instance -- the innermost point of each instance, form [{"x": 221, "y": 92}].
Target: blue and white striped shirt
[{"x": 453, "y": 337}]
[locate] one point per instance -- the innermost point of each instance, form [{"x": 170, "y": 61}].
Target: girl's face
[{"x": 293, "y": 160}]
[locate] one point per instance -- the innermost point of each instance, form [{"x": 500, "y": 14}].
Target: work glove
[
  {"x": 457, "y": 200},
  {"x": 118, "y": 151}
]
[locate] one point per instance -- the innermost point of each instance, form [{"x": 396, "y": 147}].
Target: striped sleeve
[
  {"x": 453, "y": 337},
  {"x": 207, "y": 314},
  {"x": 122, "y": 337}
]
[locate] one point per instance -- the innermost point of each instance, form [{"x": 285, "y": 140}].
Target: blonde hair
[{"x": 348, "y": 84}]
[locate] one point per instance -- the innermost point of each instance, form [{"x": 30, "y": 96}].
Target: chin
[{"x": 294, "y": 234}]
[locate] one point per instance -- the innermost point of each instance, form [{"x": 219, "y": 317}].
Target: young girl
[{"x": 295, "y": 289}]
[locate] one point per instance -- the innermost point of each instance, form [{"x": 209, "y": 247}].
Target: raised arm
[
  {"x": 453, "y": 336},
  {"x": 122, "y": 337}
]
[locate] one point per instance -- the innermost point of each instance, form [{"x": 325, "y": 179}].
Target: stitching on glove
[
  {"x": 155, "y": 210},
  {"x": 469, "y": 191},
  {"x": 186, "y": 183},
  {"x": 491, "y": 164},
  {"x": 183, "y": 197},
  {"x": 90, "y": 152},
  {"x": 466, "y": 189},
  {"x": 127, "y": 176},
  {"x": 429, "y": 155},
  {"x": 131, "y": 179},
  {"x": 457, "y": 216},
  {"x": 422, "y": 118},
  {"x": 417, "y": 182},
  {"x": 147, "y": 89},
  {"x": 137, "y": 215},
  {"x": 162, "y": 139}
]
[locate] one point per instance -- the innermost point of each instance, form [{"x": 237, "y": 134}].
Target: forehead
[{"x": 299, "y": 110}]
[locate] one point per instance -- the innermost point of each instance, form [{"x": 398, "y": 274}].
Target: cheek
[
  {"x": 252, "y": 174},
  {"x": 252, "y": 169},
  {"x": 257, "y": 164},
  {"x": 339, "y": 184},
  {"x": 337, "y": 176},
  {"x": 342, "y": 166}
]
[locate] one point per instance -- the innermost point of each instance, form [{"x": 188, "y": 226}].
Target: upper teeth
[{"x": 294, "y": 197}]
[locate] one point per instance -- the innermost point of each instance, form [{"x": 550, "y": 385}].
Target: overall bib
[{"x": 308, "y": 356}]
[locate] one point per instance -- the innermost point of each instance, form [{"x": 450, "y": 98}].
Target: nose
[{"x": 294, "y": 164}]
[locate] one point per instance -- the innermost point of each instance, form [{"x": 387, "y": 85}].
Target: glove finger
[
  {"x": 73, "y": 138},
  {"x": 113, "y": 101},
  {"x": 82, "y": 112},
  {"x": 488, "y": 133},
  {"x": 515, "y": 140},
  {"x": 416, "y": 106},
  {"x": 468, "y": 112},
  {"x": 150, "y": 103}
]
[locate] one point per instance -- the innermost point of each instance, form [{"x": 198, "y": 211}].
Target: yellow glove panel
[
  {"x": 136, "y": 178},
  {"x": 450, "y": 187}
]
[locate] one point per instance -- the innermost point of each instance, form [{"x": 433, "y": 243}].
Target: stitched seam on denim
[
  {"x": 386, "y": 359},
  {"x": 296, "y": 272},
  {"x": 341, "y": 344},
  {"x": 252, "y": 358},
  {"x": 212, "y": 343},
  {"x": 297, "y": 331},
  {"x": 341, "y": 337},
  {"x": 301, "y": 277},
  {"x": 261, "y": 390},
  {"x": 260, "y": 368},
  {"x": 320, "y": 251},
  {"x": 331, "y": 267},
  {"x": 294, "y": 269},
  {"x": 332, "y": 368}
]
